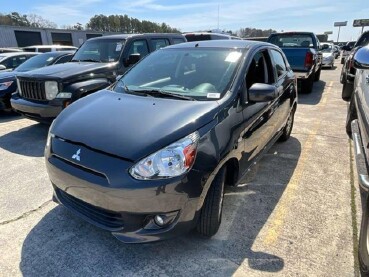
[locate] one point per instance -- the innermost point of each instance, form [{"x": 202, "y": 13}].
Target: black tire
[
  {"x": 351, "y": 115},
  {"x": 286, "y": 133},
  {"x": 364, "y": 237},
  {"x": 307, "y": 84},
  {"x": 342, "y": 60},
  {"x": 317, "y": 75},
  {"x": 211, "y": 212},
  {"x": 347, "y": 90}
]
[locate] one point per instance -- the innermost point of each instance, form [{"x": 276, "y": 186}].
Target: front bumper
[
  {"x": 41, "y": 111},
  {"x": 99, "y": 189},
  {"x": 361, "y": 164}
]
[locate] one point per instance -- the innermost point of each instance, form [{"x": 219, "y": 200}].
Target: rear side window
[
  {"x": 44, "y": 50},
  {"x": 178, "y": 40},
  {"x": 158, "y": 43},
  {"x": 199, "y": 37},
  {"x": 279, "y": 63},
  {"x": 139, "y": 47}
]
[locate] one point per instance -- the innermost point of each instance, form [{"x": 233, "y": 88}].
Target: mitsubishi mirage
[{"x": 148, "y": 158}]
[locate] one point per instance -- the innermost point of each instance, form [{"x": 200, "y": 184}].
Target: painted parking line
[{"x": 280, "y": 212}]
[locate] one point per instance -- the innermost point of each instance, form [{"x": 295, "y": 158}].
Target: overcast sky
[{"x": 312, "y": 15}]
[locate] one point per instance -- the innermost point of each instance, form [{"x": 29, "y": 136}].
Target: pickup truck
[
  {"x": 302, "y": 52},
  {"x": 44, "y": 93}
]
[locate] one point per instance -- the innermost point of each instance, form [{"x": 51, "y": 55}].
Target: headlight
[
  {"x": 51, "y": 89},
  {"x": 49, "y": 136},
  {"x": 5, "y": 85},
  {"x": 171, "y": 161}
]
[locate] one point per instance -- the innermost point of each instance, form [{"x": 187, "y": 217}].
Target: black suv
[
  {"x": 148, "y": 159},
  {"x": 348, "y": 70},
  {"x": 44, "y": 93}
]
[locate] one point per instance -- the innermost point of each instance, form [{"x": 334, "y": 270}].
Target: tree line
[{"x": 113, "y": 23}]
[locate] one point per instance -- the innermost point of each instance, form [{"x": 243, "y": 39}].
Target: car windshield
[
  {"x": 192, "y": 73},
  {"x": 363, "y": 40},
  {"x": 100, "y": 50},
  {"x": 292, "y": 40},
  {"x": 38, "y": 61}
]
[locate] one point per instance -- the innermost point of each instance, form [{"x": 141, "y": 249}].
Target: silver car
[{"x": 328, "y": 52}]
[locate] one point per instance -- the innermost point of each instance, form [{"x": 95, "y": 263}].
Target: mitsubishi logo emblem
[{"x": 77, "y": 155}]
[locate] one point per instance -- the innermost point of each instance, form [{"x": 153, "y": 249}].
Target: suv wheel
[
  {"x": 211, "y": 212},
  {"x": 351, "y": 115},
  {"x": 317, "y": 75},
  {"x": 307, "y": 84},
  {"x": 347, "y": 90}
]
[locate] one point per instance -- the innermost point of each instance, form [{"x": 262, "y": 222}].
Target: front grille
[
  {"x": 108, "y": 220},
  {"x": 33, "y": 89}
]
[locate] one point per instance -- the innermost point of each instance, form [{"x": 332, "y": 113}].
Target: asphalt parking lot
[{"x": 292, "y": 216}]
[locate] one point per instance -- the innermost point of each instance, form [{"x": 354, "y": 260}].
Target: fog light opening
[{"x": 159, "y": 220}]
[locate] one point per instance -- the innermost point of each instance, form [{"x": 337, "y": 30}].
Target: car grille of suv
[
  {"x": 108, "y": 220},
  {"x": 34, "y": 90}
]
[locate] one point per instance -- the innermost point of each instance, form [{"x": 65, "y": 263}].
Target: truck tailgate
[{"x": 296, "y": 58}]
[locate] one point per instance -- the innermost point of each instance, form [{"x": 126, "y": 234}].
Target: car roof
[
  {"x": 292, "y": 33},
  {"x": 126, "y": 36},
  {"x": 57, "y": 53},
  {"x": 50, "y": 46},
  {"x": 220, "y": 43},
  {"x": 14, "y": 54}
]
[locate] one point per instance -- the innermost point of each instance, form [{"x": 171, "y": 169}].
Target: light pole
[{"x": 339, "y": 25}]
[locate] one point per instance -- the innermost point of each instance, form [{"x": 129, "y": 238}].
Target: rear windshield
[
  {"x": 197, "y": 37},
  {"x": 100, "y": 50},
  {"x": 292, "y": 40},
  {"x": 327, "y": 48},
  {"x": 38, "y": 61}
]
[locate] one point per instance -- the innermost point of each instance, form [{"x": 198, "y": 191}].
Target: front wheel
[
  {"x": 211, "y": 212},
  {"x": 351, "y": 115},
  {"x": 347, "y": 90},
  {"x": 286, "y": 133}
]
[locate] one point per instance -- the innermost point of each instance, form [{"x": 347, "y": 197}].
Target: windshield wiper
[
  {"x": 162, "y": 93},
  {"x": 87, "y": 60}
]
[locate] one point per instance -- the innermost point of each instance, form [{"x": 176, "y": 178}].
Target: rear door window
[
  {"x": 139, "y": 47},
  {"x": 158, "y": 43}
]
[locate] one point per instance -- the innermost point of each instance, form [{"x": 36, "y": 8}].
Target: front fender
[{"x": 81, "y": 89}]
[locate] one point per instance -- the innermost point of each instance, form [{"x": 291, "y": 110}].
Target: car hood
[
  {"x": 67, "y": 70},
  {"x": 131, "y": 126},
  {"x": 7, "y": 75}
]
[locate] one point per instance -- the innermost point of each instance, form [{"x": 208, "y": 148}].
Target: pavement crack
[{"x": 24, "y": 215}]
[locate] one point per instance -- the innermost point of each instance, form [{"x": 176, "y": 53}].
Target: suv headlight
[
  {"x": 51, "y": 89},
  {"x": 5, "y": 85},
  {"x": 171, "y": 161}
]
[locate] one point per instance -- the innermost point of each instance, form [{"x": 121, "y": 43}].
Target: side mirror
[
  {"x": 133, "y": 58},
  {"x": 2, "y": 67},
  {"x": 346, "y": 48},
  {"x": 361, "y": 58},
  {"x": 262, "y": 92},
  {"x": 324, "y": 46}
]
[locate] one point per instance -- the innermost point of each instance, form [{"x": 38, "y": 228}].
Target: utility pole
[{"x": 339, "y": 25}]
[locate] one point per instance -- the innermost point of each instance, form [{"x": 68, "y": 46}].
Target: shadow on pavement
[
  {"x": 9, "y": 116},
  {"x": 28, "y": 141},
  {"x": 315, "y": 96},
  {"x": 61, "y": 244}
]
